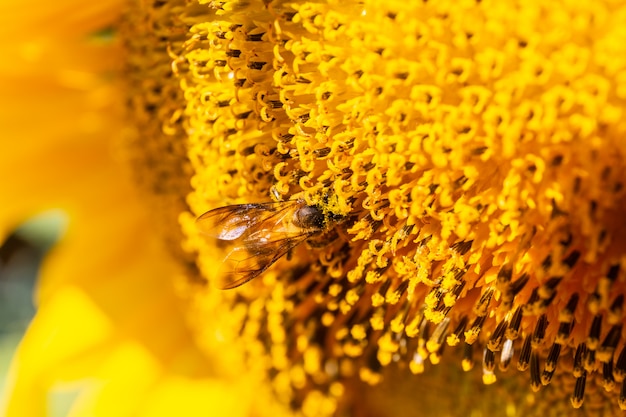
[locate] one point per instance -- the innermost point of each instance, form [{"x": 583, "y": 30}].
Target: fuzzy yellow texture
[
  {"x": 155, "y": 137},
  {"x": 476, "y": 150},
  {"x": 156, "y": 144}
]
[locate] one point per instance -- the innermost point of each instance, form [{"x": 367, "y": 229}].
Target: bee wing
[
  {"x": 227, "y": 223},
  {"x": 253, "y": 236},
  {"x": 246, "y": 262},
  {"x": 247, "y": 222}
]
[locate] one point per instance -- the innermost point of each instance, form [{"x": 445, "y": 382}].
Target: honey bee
[{"x": 255, "y": 236}]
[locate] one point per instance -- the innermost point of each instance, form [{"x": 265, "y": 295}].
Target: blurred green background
[{"x": 21, "y": 255}]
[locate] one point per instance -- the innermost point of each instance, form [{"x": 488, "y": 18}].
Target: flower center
[{"x": 474, "y": 154}]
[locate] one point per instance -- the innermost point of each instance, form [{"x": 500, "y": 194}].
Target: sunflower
[{"x": 426, "y": 198}]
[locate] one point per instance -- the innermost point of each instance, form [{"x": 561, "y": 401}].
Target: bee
[{"x": 255, "y": 236}]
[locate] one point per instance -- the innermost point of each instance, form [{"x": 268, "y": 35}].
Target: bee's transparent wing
[
  {"x": 243, "y": 263},
  {"x": 253, "y": 236}
]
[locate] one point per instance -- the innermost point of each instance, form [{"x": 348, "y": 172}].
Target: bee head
[{"x": 310, "y": 217}]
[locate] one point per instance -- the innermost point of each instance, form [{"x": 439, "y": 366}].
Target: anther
[
  {"x": 382, "y": 291},
  {"x": 455, "y": 337},
  {"x": 571, "y": 259},
  {"x": 256, "y": 37},
  {"x": 613, "y": 272},
  {"x": 563, "y": 333},
  {"x": 495, "y": 341},
  {"x": 489, "y": 360},
  {"x": 436, "y": 339},
  {"x": 472, "y": 334},
  {"x": 548, "y": 288},
  {"x": 546, "y": 377},
  {"x": 616, "y": 311},
  {"x": 481, "y": 307},
  {"x": 518, "y": 284},
  {"x": 435, "y": 357},
  {"x": 504, "y": 277},
  {"x": 608, "y": 382},
  {"x": 413, "y": 328},
  {"x": 530, "y": 304},
  {"x": 567, "y": 314},
  {"x": 512, "y": 332},
  {"x": 553, "y": 357},
  {"x": 594, "y": 302},
  {"x": 535, "y": 376},
  {"x": 394, "y": 297},
  {"x": 579, "y": 391},
  {"x": 524, "y": 356},
  {"x": 462, "y": 247},
  {"x": 606, "y": 350},
  {"x": 581, "y": 351},
  {"x": 589, "y": 360},
  {"x": 594, "y": 332},
  {"x": 545, "y": 302},
  {"x": 540, "y": 331}
]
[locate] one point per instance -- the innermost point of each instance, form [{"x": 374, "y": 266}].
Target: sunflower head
[{"x": 454, "y": 174}]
